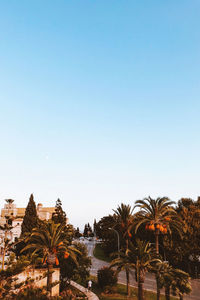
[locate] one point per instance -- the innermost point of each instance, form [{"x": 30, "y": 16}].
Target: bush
[
  {"x": 106, "y": 277},
  {"x": 78, "y": 272},
  {"x": 72, "y": 293},
  {"x": 31, "y": 293},
  {"x": 17, "y": 266}
]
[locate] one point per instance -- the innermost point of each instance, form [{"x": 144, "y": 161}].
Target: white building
[{"x": 17, "y": 214}]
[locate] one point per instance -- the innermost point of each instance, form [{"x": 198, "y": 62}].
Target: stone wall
[{"x": 39, "y": 279}]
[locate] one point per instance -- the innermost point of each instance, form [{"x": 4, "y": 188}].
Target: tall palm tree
[
  {"x": 158, "y": 215},
  {"x": 123, "y": 262},
  {"x": 142, "y": 255},
  {"x": 138, "y": 257},
  {"x": 9, "y": 201},
  {"x": 48, "y": 242},
  {"x": 123, "y": 216}
]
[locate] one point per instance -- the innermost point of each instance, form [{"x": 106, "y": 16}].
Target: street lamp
[{"x": 118, "y": 246}]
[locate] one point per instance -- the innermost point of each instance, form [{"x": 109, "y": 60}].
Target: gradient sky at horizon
[{"x": 99, "y": 102}]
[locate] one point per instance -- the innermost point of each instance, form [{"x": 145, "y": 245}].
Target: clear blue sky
[{"x": 100, "y": 102}]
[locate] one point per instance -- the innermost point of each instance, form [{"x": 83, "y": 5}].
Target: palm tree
[
  {"x": 123, "y": 262},
  {"x": 123, "y": 216},
  {"x": 142, "y": 254},
  {"x": 9, "y": 201},
  {"x": 158, "y": 215},
  {"x": 123, "y": 221},
  {"x": 164, "y": 278},
  {"x": 181, "y": 284},
  {"x": 48, "y": 242},
  {"x": 171, "y": 278},
  {"x": 158, "y": 269},
  {"x": 138, "y": 257}
]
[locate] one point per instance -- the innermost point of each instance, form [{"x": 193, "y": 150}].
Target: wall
[{"x": 37, "y": 275}]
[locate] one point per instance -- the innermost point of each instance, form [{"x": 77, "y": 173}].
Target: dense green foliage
[
  {"x": 109, "y": 238},
  {"x": 31, "y": 293},
  {"x": 179, "y": 244},
  {"x": 76, "y": 270},
  {"x": 184, "y": 253},
  {"x": 100, "y": 254},
  {"x": 16, "y": 266},
  {"x": 106, "y": 277},
  {"x": 173, "y": 234}
]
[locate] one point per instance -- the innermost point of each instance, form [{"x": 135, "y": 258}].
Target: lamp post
[{"x": 118, "y": 246}]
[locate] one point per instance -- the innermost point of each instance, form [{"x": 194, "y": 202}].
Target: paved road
[{"x": 149, "y": 284}]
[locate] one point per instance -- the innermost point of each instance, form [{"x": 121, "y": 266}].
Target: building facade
[{"x": 16, "y": 214}]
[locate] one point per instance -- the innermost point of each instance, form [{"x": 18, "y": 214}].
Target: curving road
[{"x": 149, "y": 284}]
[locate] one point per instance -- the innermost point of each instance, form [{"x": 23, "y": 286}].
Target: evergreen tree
[
  {"x": 77, "y": 233},
  {"x": 85, "y": 232},
  {"x": 59, "y": 216},
  {"x": 89, "y": 228},
  {"x": 94, "y": 226},
  {"x": 30, "y": 219}
]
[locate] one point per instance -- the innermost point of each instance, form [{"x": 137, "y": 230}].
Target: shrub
[
  {"x": 17, "y": 266},
  {"x": 106, "y": 277},
  {"x": 31, "y": 293}
]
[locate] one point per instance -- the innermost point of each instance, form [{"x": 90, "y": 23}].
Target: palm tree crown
[
  {"x": 158, "y": 215},
  {"x": 48, "y": 240},
  {"x": 124, "y": 220},
  {"x": 139, "y": 256}
]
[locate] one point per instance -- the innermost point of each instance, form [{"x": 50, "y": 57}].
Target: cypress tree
[
  {"x": 77, "y": 233},
  {"x": 59, "y": 216},
  {"x": 94, "y": 226},
  {"x": 85, "y": 232},
  {"x": 30, "y": 219}
]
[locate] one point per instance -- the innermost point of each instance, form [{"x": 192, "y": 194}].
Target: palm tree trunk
[
  {"x": 49, "y": 278},
  {"x": 158, "y": 288},
  {"x": 140, "y": 290},
  {"x": 127, "y": 283},
  {"x": 167, "y": 292},
  {"x": 157, "y": 240}
]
